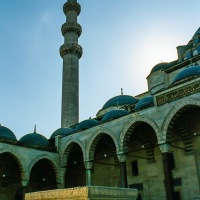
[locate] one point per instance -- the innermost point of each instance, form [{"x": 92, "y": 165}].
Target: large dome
[
  {"x": 62, "y": 132},
  {"x": 34, "y": 140},
  {"x": 7, "y": 134},
  {"x": 188, "y": 72},
  {"x": 144, "y": 102},
  {"x": 114, "y": 114},
  {"x": 89, "y": 123},
  {"x": 120, "y": 100}
]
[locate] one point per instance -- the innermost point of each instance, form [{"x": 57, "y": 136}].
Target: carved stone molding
[
  {"x": 71, "y": 49},
  {"x": 72, "y": 6},
  {"x": 178, "y": 93},
  {"x": 71, "y": 27}
]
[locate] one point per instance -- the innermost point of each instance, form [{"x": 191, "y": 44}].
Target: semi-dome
[
  {"x": 144, "y": 102},
  {"x": 188, "y": 72},
  {"x": 62, "y": 132},
  {"x": 35, "y": 140},
  {"x": 120, "y": 100},
  {"x": 163, "y": 65},
  {"x": 114, "y": 114},
  {"x": 89, "y": 123},
  {"x": 7, "y": 134}
]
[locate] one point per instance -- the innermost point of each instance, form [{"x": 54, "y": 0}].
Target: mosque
[{"x": 149, "y": 142}]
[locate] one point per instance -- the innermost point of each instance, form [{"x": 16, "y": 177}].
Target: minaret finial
[{"x": 71, "y": 52}]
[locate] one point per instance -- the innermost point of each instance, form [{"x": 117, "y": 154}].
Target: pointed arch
[
  {"x": 95, "y": 138},
  {"x": 47, "y": 157},
  {"x": 174, "y": 113},
  {"x": 73, "y": 163},
  {"x": 67, "y": 148},
  {"x": 19, "y": 158},
  {"x": 126, "y": 132},
  {"x": 144, "y": 140}
]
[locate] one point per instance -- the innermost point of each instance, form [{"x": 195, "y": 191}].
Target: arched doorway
[
  {"x": 183, "y": 137},
  {"x": 143, "y": 160},
  {"x": 75, "y": 170},
  {"x": 42, "y": 176},
  {"x": 10, "y": 176},
  {"x": 106, "y": 171}
]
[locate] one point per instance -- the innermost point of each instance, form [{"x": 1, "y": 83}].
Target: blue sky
[{"x": 121, "y": 40}]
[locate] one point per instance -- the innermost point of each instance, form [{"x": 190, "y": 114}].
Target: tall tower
[{"x": 71, "y": 52}]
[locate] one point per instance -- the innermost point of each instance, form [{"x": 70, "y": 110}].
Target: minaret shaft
[
  {"x": 70, "y": 91},
  {"x": 71, "y": 52}
]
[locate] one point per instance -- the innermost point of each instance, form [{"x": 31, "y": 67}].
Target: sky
[{"x": 122, "y": 40}]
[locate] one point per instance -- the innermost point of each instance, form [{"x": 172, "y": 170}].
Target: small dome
[
  {"x": 89, "y": 123},
  {"x": 163, "y": 65},
  {"x": 6, "y": 133},
  {"x": 62, "y": 132},
  {"x": 114, "y": 114},
  {"x": 144, "y": 102},
  {"x": 34, "y": 140},
  {"x": 159, "y": 67},
  {"x": 120, "y": 100},
  {"x": 188, "y": 72}
]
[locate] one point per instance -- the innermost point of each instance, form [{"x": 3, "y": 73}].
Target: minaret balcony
[
  {"x": 74, "y": 49},
  {"x": 71, "y": 27}
]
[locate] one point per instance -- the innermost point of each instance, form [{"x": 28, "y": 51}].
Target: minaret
[{"x": 71, "y": 52}]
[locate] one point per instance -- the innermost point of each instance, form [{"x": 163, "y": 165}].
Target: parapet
[{"x": 85, "y": 193}]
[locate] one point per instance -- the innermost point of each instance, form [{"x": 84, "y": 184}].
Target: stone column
[
  {"x": 123, "y": 171},
  {"x": 24, "y": 187},
  {"x": 61, "y": 178},
  {"x": 169, "y": 182},
  {"x": 88, "y": 167},
  {"x": 196, "y": 142},
  {"x": 71, "y": 52}
]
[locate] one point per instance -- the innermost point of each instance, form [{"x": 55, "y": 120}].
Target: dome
[
  {"x": 144, "y": 102},
  {"x": 120, "y": 100},
  {"x": 6, "y": 133},
  {"x": 163, "y": 65},
  {"x": 196, "y": 33},
  {"x": 114, "y": 114},
  {"x": 188, "y": 72},
  {"x": 34, "y": 140},
  {"x": 159, "y": 67},
  {"x": 62, "y": 132},
  {"x": 89, "y": 123}
]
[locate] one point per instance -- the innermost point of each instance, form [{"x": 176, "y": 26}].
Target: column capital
[
  {"x": 165, "y": 147},
  {"x": 25, "y": 183},
  {"x": 88, "y": 164},
  {"x": 121, "y": 157}
]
